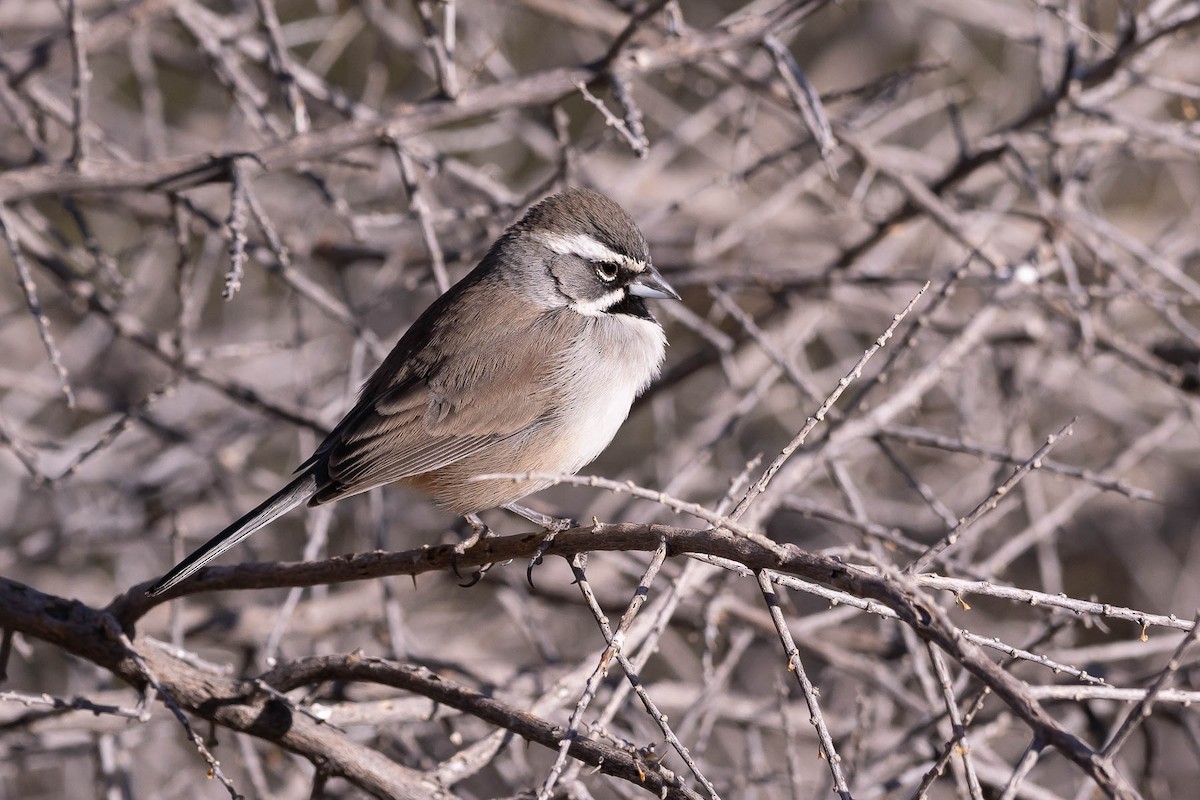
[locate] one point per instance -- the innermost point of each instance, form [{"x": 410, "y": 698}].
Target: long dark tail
[{"x": 279, "y": 504}]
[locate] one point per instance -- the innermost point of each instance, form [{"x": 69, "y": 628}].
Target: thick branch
[{"x": 925, "y": 617}]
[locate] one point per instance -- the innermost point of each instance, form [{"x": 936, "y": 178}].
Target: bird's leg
[
  {"x": 479, "y": 531},
  {"x": 553, "y": 526}
]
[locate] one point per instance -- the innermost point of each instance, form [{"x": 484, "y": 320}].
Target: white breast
[{"x": 611, "y": 364}]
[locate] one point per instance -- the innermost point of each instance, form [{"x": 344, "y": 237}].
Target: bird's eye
[{"x": 606, "y": 270}]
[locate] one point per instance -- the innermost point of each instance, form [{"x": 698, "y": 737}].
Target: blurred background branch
[{"x": 218, "y": 216}]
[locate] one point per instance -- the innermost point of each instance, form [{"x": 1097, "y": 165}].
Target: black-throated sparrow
[{"x": 528, "y": 364}]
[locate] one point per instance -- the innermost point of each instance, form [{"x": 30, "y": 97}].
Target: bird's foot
[
  {"x": 552, "y": 525},
  {"x": 479, "y": 531}
]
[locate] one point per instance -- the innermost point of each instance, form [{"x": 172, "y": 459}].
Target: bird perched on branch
[{"x": 528, "y": 364}]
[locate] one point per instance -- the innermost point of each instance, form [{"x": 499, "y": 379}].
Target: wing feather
[{"x": 419, "y": 414}]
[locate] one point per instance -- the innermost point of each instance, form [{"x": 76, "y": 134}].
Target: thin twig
[
  {"x": 761, "y": 484},
  {"x": 636, "y": 143},
  {"x": 123, "y": 423},
  {"x": 953, "y": 444},
  {"x": 659, "y": 718},
  {"x": 29, "y": 290},
  {"x": 440, "y": 43},
  {"x": 1025, "y": 765},
  {"x": 629, "y": 487},
  {"x": 82, "y": 77},
  {"x": 806, "y": 99},
  {"x": 796, "y": 666},
  {"x": 235, "y": 228},
  {"x": 141, "y": 713},
  {"x": 1145, "y": 705},
  {"x": 214, "y": 766},
  {"x": 282, "y": 65},
  {"x": 622, "y": 92},
  {"x": 935, "y": 551},
  {"x": 611, "y": 649},
  {"x": 959, "y": 742},
  {"x": 416, "y": 201}
]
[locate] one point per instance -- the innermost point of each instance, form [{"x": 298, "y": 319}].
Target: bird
[{"x": 529, "y": 364}]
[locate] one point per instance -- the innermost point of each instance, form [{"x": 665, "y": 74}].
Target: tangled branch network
[{"x": 910, "y": 512}]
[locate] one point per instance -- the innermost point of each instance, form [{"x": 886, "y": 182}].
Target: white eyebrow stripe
[
  {"x": 584, "y": 246},
  {"x": 594, "y": 308}
]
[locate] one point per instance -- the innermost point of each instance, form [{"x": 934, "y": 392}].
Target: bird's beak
[{"x": 651, "y": 284}]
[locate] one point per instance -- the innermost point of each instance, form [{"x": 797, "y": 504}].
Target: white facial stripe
[
  {"x": 594, "y": 308},
  {"x": 584, "y": 246}
]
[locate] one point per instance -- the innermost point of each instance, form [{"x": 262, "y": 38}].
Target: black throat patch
[{"x": 632, "y": 305}]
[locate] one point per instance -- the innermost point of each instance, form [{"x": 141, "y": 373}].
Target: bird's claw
[
  {"x": 479, "y": 531},
  {"x": 536, "y": 561},
  {"x": 543, "y": 546}
]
